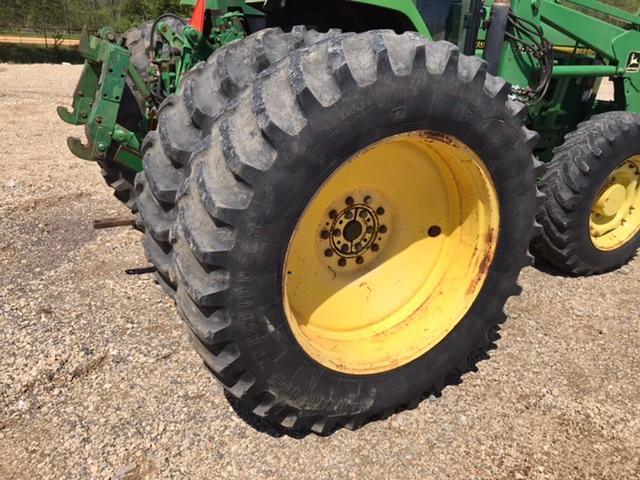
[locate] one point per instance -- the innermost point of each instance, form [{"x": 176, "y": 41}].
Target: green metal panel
[
  {"x": 587, "y": 47},
  {"x": 100, "y": 89},
  {"x": 584, "y": 71},
  {"x": 103, "y": 78},
  {"x": 589, "y": 31},
  {"x": 83, "y": 96},
  {"x": 613, "y": 42}
]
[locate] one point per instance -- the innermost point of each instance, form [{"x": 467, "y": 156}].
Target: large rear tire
[
  {"x": 186, "y": 118},
  {"x": 383, "y": 128}
]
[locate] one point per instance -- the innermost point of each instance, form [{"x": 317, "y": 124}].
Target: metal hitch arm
[{"x": 97, "y": 97}]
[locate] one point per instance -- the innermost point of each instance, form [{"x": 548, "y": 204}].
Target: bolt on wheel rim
[
  {"x": 354, "y": 235},
  {"x": 615, "y": 216},
  {"x": 391, "y": 253}
]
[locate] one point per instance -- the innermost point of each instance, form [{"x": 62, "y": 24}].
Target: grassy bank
[{"x": 14, "y": 53}]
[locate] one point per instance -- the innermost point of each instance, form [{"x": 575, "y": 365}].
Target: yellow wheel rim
[
  {"x": 391, "y": 253},
  {"x": 615, "y": 216}
]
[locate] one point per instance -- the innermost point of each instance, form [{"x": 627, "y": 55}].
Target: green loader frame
[{"x": 588, "y": 47}]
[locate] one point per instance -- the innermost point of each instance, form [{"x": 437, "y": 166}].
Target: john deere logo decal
[{"x": 633, "y": 64}]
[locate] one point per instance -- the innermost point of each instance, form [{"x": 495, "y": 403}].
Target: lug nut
[
  {"x": 359, "y": 260},
  {"x": 333, "y": 214},
  {"x": 383, "y": 229},
  {"x": 368, "y": 200},
  {"x": 337, "y": 232},
  {"x": 375, "y": 247},
  {"x": 342, "y": 262},
  {"x": 349, "y": 201},
  {"x": 380, "y": 211},
  {"x": 328, "y": 253},
  {"x": 324, "y": 234}
]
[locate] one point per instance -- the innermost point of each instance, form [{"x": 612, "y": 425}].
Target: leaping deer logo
[{"x": 633, "y": 65}]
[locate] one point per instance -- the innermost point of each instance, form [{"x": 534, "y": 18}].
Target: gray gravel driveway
[{"x": 97, "y": 379}]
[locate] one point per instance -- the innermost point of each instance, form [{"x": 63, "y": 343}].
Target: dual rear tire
[
  {"x": 402, "y": 140},
  {"x": 341, "y": 239},
  {"x": 185, "y": 120}
]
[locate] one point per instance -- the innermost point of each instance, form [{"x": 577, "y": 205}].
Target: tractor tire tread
[
  {"x": 183, "y": 121},
  {"x": 244, "y": 145}
]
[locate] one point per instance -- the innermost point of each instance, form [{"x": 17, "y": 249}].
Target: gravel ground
[{"x": 97, "y": 379}]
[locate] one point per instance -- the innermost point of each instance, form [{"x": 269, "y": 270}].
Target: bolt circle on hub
[{"x": 354, "y": 230}]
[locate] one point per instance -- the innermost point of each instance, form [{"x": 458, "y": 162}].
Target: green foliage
[
  {"x": 628, "y": 5},
  {"x": 58, "y": 16},
  {"x": 10, "y": 53},
  {"x": 53, "y": 17}
]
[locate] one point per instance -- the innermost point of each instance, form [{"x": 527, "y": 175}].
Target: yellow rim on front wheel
[
  {"x": 615, "y": 216},
  {"x": 391, "y": 253}
]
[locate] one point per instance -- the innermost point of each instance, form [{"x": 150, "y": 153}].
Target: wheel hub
[
  {"x": 390, "y": 252},
  {"x": 615, "y": 215},
  {"x": 354, "y": 235},
  {"x": 611, "y": 200}
]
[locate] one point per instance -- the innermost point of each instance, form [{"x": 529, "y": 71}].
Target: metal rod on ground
[{"x": 104, "y": 223}]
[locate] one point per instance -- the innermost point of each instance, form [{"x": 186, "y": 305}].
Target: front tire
[
  {"x": 247, "y": 198},
  {"x": 591, "y": 213}
]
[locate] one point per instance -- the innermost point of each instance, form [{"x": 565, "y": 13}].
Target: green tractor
[{"x": 340, "y": 195}]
